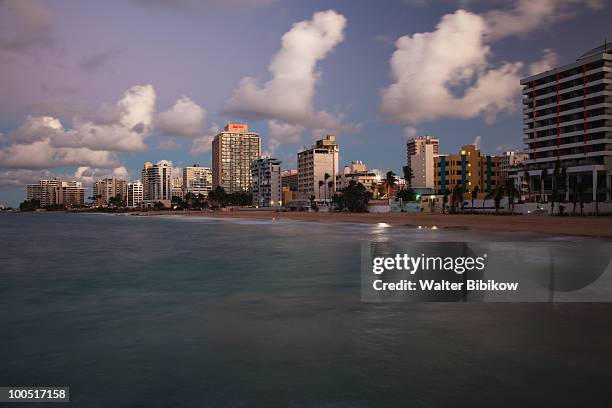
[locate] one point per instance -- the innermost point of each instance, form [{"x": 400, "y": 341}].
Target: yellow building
[{"x": 469, "y": 169}]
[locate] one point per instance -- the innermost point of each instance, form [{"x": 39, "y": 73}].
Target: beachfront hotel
[
  {"x": 233, "y": 151},
  {"x": 105, "y": 189},
  {"x": 567, "y": 117},
  {"x": 157, "y": 183},
  {"x": 420, "y": 154},
  {"x": 266, "y": 182},
  {"x": 134, "y": 195},
  {"x": 56, "y": 192},
  {"x": 314, "y": 164},
  {"x": 467, "y": 169},
  {"x": 197, "y": 180}
]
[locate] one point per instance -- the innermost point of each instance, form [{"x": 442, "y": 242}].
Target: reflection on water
[{"x": 184, "y": 311}]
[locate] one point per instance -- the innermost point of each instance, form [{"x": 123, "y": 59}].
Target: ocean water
[{"x": 194, "y": 312}]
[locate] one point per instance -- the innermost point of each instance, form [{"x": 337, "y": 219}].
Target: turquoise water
[{"x": 175, "y": 311}]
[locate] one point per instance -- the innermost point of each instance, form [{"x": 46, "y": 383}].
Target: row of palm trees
[
  {"x": 457, "y": 197},
  {"x": 329, "y": 184}
]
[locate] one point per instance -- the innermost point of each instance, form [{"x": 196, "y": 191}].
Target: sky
[{"x": 94, "y": 89}]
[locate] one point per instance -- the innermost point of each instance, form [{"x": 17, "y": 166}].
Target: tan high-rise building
[
  {"x": 105, "y": 189},
  {"x": 197, "y": 180},
  {"x": 314, "y": 164},
  {"x": 233, "y": 151},
  {"x": 420, "y": 154},
  {"x": 56, "y": 192}
]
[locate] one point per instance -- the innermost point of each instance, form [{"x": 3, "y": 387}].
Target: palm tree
[
  {"x": 457, "y": 197},
  {"x": 408, "y": 175},
  {"x": 489, "y": 196},
  {"x": 497, "y": 196},
  {"x": 511, "y": 192},
  {"x": 475, "y": 191},
  {"x": 526, "y": 175},
  {"x": 321, "y": 184},
  {"x": 326, "y": 177},
  {"x": 330, "y": 185},
  {"x": 601, "y": 188},
  {"x": 390, "y": 179},
  {"x": 444, "y": 202}
]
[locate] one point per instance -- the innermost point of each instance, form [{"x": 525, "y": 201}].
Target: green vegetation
[{"x": 353, "y": 198}]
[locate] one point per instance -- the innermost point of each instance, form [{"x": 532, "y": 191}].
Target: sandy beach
[{"x": 582, "y": 226}]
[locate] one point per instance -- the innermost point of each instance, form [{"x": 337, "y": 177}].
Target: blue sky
[{"x": 72, "y": 62}]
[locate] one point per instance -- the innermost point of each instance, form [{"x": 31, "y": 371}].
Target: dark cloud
[{"x": 96, "y": 61}]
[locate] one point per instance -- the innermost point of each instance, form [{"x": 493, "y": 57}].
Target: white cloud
[
  {"x": 122, "y": 127},
  {"x": 36, "y": 128},
  {"x": 410, "y": 131},
  {"x": 426, "y": 66},
  {"x": 203, "y": 144},
  {"x": 476, "y": 141},
  {"x": 447, "y": 73},
  {"x": 527, "y": 15},
  {"x": 42, "y": 155},
  {"x": 288, "y": 96},
  {"x": 283, "y": 133},
  {"x": 185, "y": 119},
  {"x": 550, "y": 59}
]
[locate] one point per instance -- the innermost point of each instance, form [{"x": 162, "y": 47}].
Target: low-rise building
[
  {"x": 468, "y": 169},
  {"x": 358, "y": 172}
]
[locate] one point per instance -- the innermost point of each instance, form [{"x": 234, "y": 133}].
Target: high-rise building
[
  {"x": 289, "y": 179},
  {"x": 233, "y": 151},
  {"x": 567, "y": 116},
  {"x": 467, "y": 169},
  {"x": 197, "y": 180},
  {"x": 420, "y": 154},
  {"x": 157, "y": 183},
  {"x": 105, "y": 189},
  {"x": 314, "y": 164},
  {"x": 134, "y": 194},
  {"x": 57, "y": 192},
  {"x": 266, "y": 179}
]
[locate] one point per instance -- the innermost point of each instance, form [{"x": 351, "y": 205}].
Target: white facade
[
  {"x": 420, "y": 154},
  {"x": 134, "y": 194},
  {"x": 357, "y": 172},
  {"x": 313, "y": 165},
  {"x": 266, "y": 182},
  {"x": 157, "y": 183}
]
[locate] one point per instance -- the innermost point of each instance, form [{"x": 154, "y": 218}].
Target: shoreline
[{"x": 597, "y": 227}]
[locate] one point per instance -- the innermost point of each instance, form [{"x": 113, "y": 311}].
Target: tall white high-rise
[
  {"x": 134, "y": 194},
  {"x": 157, "y": 183},
  {"x": 420, "y": 154}
]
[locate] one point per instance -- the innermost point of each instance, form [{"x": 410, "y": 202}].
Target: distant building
[
  {"x": 134, "y": 194},
  {"x": 233, "y": 151},
  {"x": 357, "y": 172},
  {"x": 157, "y": 183},
  {"x": 56, "y": 192},
  {"x": 314, "y": 164},
  {"x": 567, "y": 119},
  {"x": 289, "y": 179},
  {"x": 197, "y": 180},
  {"x": 467, "y": 169},
  {"x": 420, "y": 154},
  {"x": 288, "y": 195},
  {"x": 510, "y": 163},
  {"x": 266, "y": 182},
  {"x": 105, "y": 189}
]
